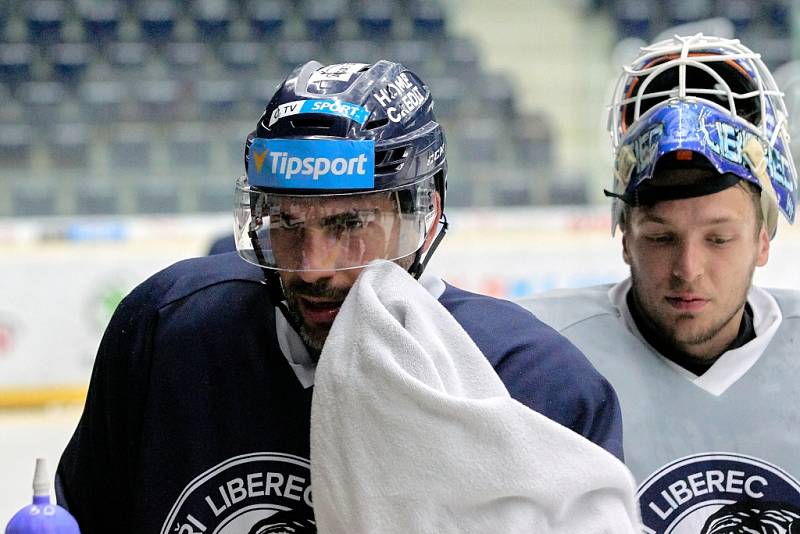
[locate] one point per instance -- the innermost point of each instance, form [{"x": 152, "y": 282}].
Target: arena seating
[{"x": 134, "y": 99}]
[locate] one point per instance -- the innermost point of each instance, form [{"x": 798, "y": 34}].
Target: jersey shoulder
[
  {"x": 788, "y": 301},
  {"x": 510, "y": 335},
  {"x": 562, "y": 308},
  {"x": 191, "y": 276}
]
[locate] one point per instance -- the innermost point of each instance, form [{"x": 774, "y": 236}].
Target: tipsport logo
[
  {"x": 312, "y": 164},
  {"x": 697, "y": 494},
  {"x": 324, "y": 107}
]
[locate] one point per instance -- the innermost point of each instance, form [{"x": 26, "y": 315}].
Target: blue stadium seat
[
  {"x": 780, "y": 16},
  {"x": 216, "y": 199},
  {"x": 101, "y": 101},
  {"x": 157, "y": 20},
  {"x": 294, "y": 53},
  {"x": 189, "y": 146},
  {"x": 462, "y": 57},
  {"x": 16, "y": 145},
  {"x": 43, "y": 101},
  {"x": 479, "y": 141},
  {"x": 130, "y": 149},
  {"x": 217, "y": 99},
  {"x": 97, "y": 198},
  {"x": 16, "y": 60},
  {"x": 684, "y": 11},
  {"x": 322, "y": 19},
  {"x": 156, "y": 197},
  {"x": 634, "y": 18},
  {"x": 376, "y": 19},
  {"x": 258, "y": 94},
  {"x": 241, "y": 57},
  {"x": 533, "y": 141},
  {"x": 101, "y": 20},
  {"x": 428, "y": 19},
  {"x": 514, "y": 189},
  {"x": 212, "y": 19},
  {"x": 740, "y": 12},
  {"x": 190, "y": 58},
  {"x": 267, "y": 18},
  {"x": 69, "y": 146},
  {"x": 30, "y": 198},
  {"x": 356, "y": 50},
  {"x": 45, "y": 19},
  {"x": 449, "y": 95},
  {"x": 158, "y": 100},
  {"x": 69, "y": 61},
  {"x": 129, "y": 58},
  {"x": 568, "y": 190},
  {"x": 497, "y": 97},
  {"x": 412, "y": 53}
]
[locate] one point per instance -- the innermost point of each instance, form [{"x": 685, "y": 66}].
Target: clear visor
[{"x": 331, "y": 232}]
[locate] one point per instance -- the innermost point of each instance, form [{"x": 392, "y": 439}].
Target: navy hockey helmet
[{"x": 351, "y": 152}]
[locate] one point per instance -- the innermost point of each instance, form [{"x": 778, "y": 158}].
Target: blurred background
[{"x": 122, "y": 125}]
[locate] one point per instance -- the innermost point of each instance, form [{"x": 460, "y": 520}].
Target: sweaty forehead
[{"x": 335, "y": 203}]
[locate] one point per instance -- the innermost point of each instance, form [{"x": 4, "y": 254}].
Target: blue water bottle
[{"x": 42, "y": 517}]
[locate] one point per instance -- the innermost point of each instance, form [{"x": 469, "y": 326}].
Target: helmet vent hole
[
  {"x": 313, "y": 123},
  {"x": 377, "y": 123},
  {"x": 390, "y": 160}
]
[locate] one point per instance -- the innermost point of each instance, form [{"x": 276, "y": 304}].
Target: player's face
[
  {"x": 692, "y": 262},
  {"x": 333, "y": 233}
]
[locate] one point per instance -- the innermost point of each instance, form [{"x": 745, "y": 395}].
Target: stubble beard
[{"x": 670, "y": 327}]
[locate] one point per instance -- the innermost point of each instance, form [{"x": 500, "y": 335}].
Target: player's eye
[
  {"x": 719, "y": 240},
  {"x": 660, "y": 239},
  {"x": 289, "y": 222}
]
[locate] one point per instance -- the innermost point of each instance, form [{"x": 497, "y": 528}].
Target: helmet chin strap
[{"x": 419, "y": 263}]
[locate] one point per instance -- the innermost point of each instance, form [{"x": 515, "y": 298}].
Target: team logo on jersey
[
  {"x": 719, "y": 493},
  {"x": 255, "y": 493}
]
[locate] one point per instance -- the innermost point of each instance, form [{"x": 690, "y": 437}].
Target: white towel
[{"x": 412, "y": 431}]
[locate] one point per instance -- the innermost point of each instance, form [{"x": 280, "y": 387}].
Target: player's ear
[
  {"x": 626, "y": 255},
  {"x": 430, "y": 229},
  {"x": 763, "y": 247}
]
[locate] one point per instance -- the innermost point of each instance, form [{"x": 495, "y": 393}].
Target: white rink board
[{"x": 60, "y": 278}]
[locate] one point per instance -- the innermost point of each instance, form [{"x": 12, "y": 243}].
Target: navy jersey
[{"x": 195, "y": 421}]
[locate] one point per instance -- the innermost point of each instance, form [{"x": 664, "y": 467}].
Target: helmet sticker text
[
  {"x": 645, "y": 147},
  {"x": 326, "y": 107},
  {"x": 400, "y": 97},
  {"x": 340, "y": 72},
  {"x": 312, "y": 163}
]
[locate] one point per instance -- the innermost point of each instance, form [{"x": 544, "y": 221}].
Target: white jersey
[{"x": 701, "y": 448}]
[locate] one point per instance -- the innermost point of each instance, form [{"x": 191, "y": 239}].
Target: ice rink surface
[{"x": 26, "y": 434}]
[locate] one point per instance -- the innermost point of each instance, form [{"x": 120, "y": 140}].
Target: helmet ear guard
[{"x": 757, "y": 160}]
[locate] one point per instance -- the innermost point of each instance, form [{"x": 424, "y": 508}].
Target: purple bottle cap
[{"x": 42, "y": 517}]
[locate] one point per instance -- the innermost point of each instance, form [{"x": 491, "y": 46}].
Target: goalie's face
[{"x": 692, "y": 262}]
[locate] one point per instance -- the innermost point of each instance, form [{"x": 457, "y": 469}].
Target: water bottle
[{"x": 42, "y": 517}]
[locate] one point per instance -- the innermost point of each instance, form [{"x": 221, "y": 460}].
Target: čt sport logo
[{"x": 311, "y": 164}]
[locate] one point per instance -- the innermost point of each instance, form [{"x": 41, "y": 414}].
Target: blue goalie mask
[{"x": 706, "y": 102}]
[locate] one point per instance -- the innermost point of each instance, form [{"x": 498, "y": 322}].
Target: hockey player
[
  {"x": 197, "y": 417},
  {"x": 704, "y": 363}
]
